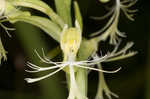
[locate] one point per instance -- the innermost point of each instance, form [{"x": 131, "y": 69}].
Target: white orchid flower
[
  {"x": 111, "y": 28},
  {"x": 70, "y": 43},
  {"x": 113, "y": 56}
]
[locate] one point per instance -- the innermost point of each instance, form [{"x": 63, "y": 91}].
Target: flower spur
[{"x": 111, "y": 28}]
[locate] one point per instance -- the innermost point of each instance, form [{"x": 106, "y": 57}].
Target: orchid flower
[
  {"x": 70, "y": 43},
  {"x": 70, "y": 39},
  {"x": 113, "y": 56},
  {"x": 111, "y": 28}
]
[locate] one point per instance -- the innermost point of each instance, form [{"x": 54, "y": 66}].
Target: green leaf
[
  {"x": 14, "y": 15},
  {"x": 46, "y": 25},
  {"x": 63, "y": 8},
  {"x": 41, "y": 6}
]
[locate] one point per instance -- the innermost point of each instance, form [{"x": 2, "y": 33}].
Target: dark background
[{"x": 132, "y": 82}]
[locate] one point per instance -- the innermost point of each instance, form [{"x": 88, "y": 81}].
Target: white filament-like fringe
[
  {"x": 111, "y": 28},
  {"x": 62, "y": 65},
  {"x": 32, "y": 80},
  {"x": 114, "y": 55},
  {"x": 87, "y": 64}
]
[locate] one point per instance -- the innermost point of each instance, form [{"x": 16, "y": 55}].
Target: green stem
[
  {"x": 82, "y": 79},
  {"x": 86, "y": 50}
]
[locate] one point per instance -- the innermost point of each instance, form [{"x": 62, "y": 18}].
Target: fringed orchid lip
[
  {"x": 87, "y": 64},
  {"x": 111, "y": 28},
  {"x": 114, "y": 56},
  {"x": 61, "y": 65}
]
